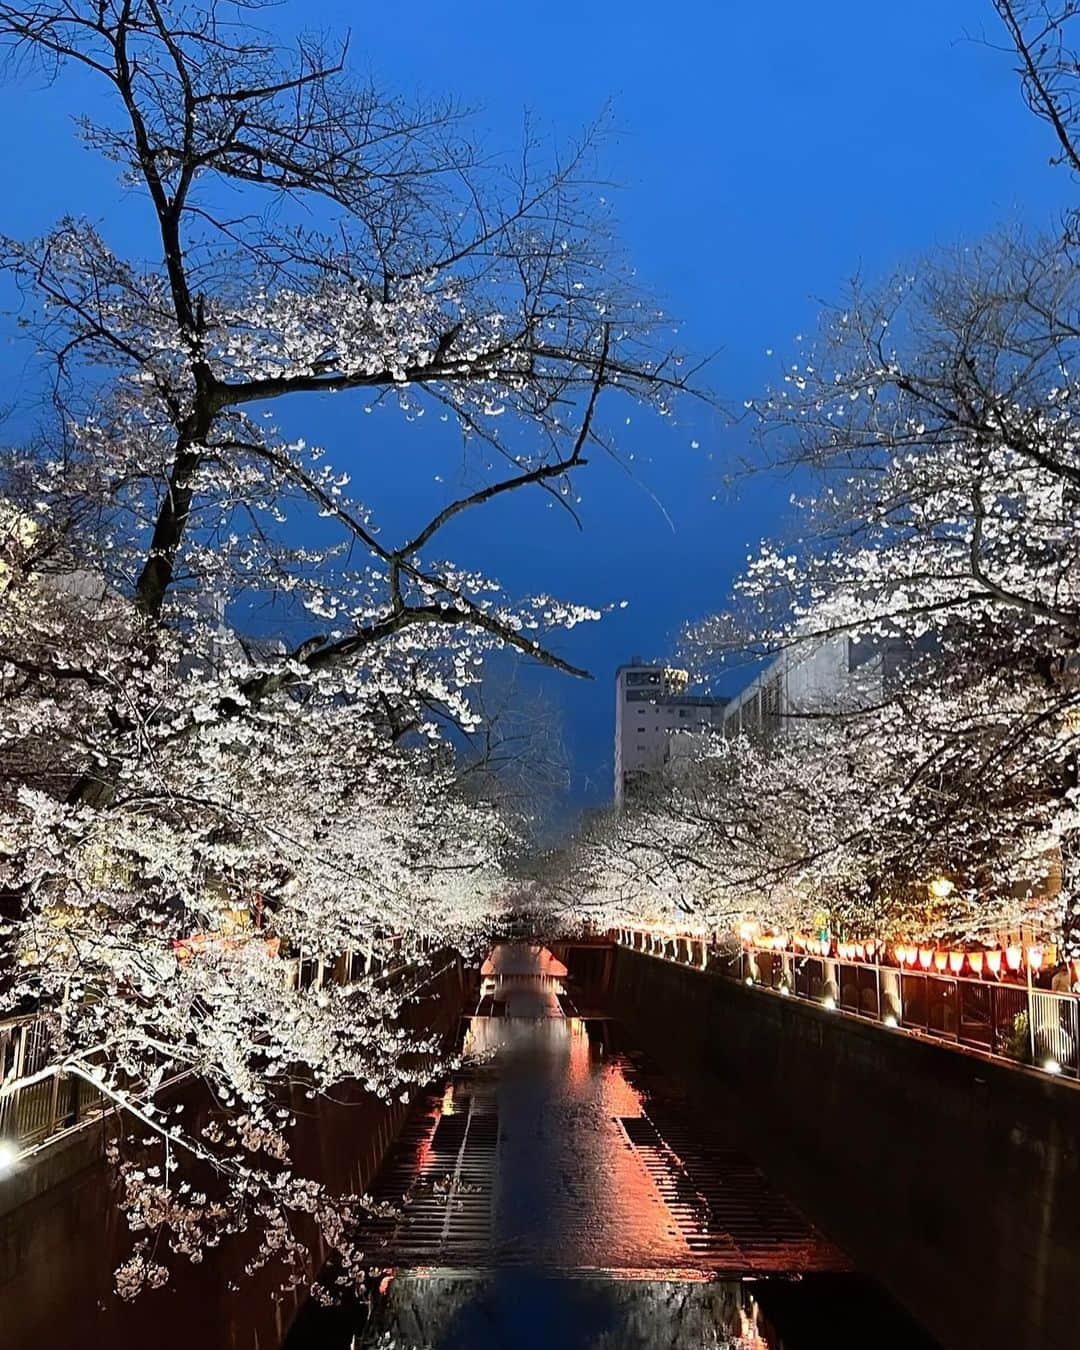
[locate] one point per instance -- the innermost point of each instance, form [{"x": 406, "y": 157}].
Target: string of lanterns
[{"x": 990, "y": 961}]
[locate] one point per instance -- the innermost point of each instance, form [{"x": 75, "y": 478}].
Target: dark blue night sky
[{"x": 764, "y": 153}]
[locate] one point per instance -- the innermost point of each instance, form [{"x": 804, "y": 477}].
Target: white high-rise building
[{"x": 652, "y": 706}]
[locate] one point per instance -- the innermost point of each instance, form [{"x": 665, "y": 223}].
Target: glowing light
[
  {"x": 912, "y": 955},
  {"x": 941, "y": 888},
  {"x": 890, "y": 1020},
  {"x": 956, "y": 962},
  {"x": 993, "y": 962},
  {"x": 941, "y": 960},
  {"x": 829, "y": 1002},
  {"x": 1051, "y": 1065},
  {"x": 784, "y": 990},
  {"x": 860, "y": 951},
  {"x": 926, "y": 955},
  {"x": 975, "y": 961},
  {"x": 749, "y": 979},
  {"x": 1013, "y": 957},
  {"x": 900, "y": 952},
  {"x": 1034, "y": 957},
  {"x": 9, "y": 1156}
]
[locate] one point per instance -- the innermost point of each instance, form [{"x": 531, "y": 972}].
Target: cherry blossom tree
[
  {"x": 226, "y": 692},
  {"x": 936, "y": 416}
]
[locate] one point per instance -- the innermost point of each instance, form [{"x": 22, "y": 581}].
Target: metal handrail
[{"x": 1017, "y": 1024}]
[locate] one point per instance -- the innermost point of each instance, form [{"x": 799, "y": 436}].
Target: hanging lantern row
[
  {"x": 988, "y": 960},
  {"x": 912, "y": 956}
]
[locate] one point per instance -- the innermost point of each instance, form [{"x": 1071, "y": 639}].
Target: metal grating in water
[
  {"x": 440, "y": 1177},
  {"x": 727, "y": 1213}
]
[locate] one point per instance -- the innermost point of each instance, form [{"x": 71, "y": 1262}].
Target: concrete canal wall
[
  {"x": 61, "y": 1236},
  {"x": 953, "y": 1181}
]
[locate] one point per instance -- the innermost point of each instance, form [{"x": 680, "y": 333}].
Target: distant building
[
  {"x": 823, "y": 675},
  {"x": 651, "y": 707}
]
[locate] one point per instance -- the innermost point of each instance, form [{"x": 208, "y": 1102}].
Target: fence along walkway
[
  {"x": 1010, "y": 1022},
  {"x": 35, "y": 1112}
]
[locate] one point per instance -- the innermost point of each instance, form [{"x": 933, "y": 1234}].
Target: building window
[
  {"x": 859, "y": 651},
  {"x": 770, "y": 701},
  {"x": 642, "y": 677}
]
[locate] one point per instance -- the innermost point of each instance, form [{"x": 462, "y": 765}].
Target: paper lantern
[
  {"x": 1034, "y": 957},
  {"x": 1013, "y": 957},
  {"x": 926, "y": 955},
  {"x": 941, "y": 960},
  {"x": 956, "y": 962},
  {"x": 912, "y": 955},
  {"x": 900, "y": 952},
  {"x": 993, "y": 962},
  {"x": 975, "y": 961}
]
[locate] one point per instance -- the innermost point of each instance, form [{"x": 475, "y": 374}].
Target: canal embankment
[{"x": 951, "y": 1179}]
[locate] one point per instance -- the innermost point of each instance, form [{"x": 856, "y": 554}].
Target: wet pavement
[{"x": 559, "y": 1192}]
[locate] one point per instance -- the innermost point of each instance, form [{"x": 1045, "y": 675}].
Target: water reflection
[
  {"x": 569, "y": 1192},
  {"x": 525, "y": 1309}
]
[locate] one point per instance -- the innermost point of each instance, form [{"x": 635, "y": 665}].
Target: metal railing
[
  {"x": 44, "y": 1106},
  {"x": 1009, "y": 1021}
]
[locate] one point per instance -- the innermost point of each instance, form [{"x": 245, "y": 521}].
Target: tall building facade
[{"x": 651, "y": 707}]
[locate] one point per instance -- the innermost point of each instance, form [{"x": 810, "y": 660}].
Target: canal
[{"x": 558, "y": 1191}]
